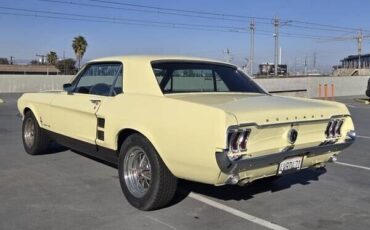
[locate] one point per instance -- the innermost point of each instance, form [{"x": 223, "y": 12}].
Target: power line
[
  {"x": 174, "y": 26},
  {"x": 218, "y": 14},
  {"x": 180, "y": 10},
  {"x": 326, "y": 25},
  {"x": 140, "y": 10},
  {"x": 321, "y": 29},
  {"x": 201, "y": 14},
  {"x": 117, "y": 22},
  {"x": 147, "y": 23},
  {"x": 334, "y": 27},
  {"x": 123, "y": 19}
]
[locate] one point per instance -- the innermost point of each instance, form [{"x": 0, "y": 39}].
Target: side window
[
  {"x": 98, "y": 79},
  {"x": 220, "y": 84},
  {"x": 118, "y": 86}
]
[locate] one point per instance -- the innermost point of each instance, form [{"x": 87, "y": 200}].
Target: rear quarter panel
[{"x": 186, "y": 135}]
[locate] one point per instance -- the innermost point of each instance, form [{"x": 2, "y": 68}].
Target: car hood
[{"x": 266, "y": 109}]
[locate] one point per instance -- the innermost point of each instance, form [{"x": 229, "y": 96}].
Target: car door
[{"x": 74, "y": 112}]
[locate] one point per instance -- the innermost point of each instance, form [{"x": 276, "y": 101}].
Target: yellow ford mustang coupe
[{"x": 162, "y": 118}]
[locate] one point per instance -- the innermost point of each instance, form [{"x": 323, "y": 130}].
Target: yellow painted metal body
[{"x": 186, "y": 129}]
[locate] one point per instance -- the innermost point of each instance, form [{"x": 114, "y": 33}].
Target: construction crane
[{"x": 358, "y": 38}]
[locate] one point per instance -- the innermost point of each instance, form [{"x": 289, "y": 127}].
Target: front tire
[
  {"x": 35, "y": 140},
  {"x": 145, "y": 180}
]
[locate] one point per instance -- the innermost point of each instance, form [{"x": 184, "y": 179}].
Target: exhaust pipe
[
  {"x": 333, "y": 159},
  {"x": 233, "y": 179}
]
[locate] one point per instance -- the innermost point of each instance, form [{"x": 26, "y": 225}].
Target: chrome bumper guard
[{"x": 231, "y": 167}]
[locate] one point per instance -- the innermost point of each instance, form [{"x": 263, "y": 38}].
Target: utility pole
[
  {"x": 228, "y": 56},
  {"x": 295, "y": 66},
  {"x": 252, "y": 28},
  {"x": 305, "y": 65},
  {"x": 277, "y": 24},
  {"x": 359, "y": 38},
  {"x": 314, "y": 60},
  {"x": 64, "y": 62},
  {"x": 42, "y": 58}
]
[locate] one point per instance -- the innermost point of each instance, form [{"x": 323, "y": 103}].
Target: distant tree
[
  {"x": 34, "y": 62},
  {"x": 52, "y": 58},
  {"x": 67, "y": 66},
  {"x": 79, "y": 45},
  {"x": 4, "y": 61}
]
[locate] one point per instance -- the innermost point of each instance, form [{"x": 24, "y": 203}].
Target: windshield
[{"x": 183, "y": 77}]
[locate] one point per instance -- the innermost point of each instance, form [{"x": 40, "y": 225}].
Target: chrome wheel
[
  {"x": 137, "y": 171},
  {"x": 29, "y": 132}
]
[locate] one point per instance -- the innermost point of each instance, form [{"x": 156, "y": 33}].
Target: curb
[{"x": 363, "y": 100}]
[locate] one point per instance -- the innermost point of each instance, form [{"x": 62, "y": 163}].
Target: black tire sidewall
[
  {"x": 31, "y": 150},
  {"x": 145, "y": 202}
]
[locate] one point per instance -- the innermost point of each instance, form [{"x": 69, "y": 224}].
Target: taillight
[
  {"x": 237, "y": 140},
  {"x": 333, "y": 129},
  {"x": 233, "y": 142},
  {"x": 242, "y": 140},
  {"x": 338, "y": 127}
]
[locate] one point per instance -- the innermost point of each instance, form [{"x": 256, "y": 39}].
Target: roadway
[{"x": 68, "y": 191}]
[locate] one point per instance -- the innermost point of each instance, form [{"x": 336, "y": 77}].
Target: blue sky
[{"x": 23, "y": 37}]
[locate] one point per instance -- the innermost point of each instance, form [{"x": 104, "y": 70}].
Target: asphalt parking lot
[{"x": 65, "y": 190}]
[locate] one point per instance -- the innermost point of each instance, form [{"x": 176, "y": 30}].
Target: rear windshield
[{"x": 182, "y": 77}]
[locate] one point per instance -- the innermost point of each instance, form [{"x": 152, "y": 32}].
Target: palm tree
[
  {"x": 52, "y": 58},
  {"x": 79, "y": 45}
]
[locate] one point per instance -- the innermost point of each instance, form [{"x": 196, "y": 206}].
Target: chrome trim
[
  {"x": 292, "y": 136},
  {"x": 351, "y": 135},
  {"x": 289, "y": 122},
  {"x": 233, "y": 167}
]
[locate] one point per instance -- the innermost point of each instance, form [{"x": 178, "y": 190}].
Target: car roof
[
  {"x": 150, "y": 58},
  {"x": 138, "y": 72}
]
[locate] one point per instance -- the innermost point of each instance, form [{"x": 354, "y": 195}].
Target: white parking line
[
  {"x": 366, "y": 137},
  {"x": 351, "y": 106},
  {"x": 236, "y": 212},
  {"x": 161, "y": 222},
  {"x": 354, "y": 166}
]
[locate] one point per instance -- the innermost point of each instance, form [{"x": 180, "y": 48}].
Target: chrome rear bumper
[{"x": 233, "y": 167}]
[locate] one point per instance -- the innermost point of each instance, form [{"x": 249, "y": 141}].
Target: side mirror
[{"x": 67, "y": 87}]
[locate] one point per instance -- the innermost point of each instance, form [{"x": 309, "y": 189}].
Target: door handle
[{"x": 95, "y": 101}]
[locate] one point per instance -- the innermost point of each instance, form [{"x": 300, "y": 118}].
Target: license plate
[{"x": 289, "y": 165}]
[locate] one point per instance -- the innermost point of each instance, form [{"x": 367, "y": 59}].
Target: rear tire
[
  {"x": 145, "y": 180},
  {"x": 35, "y": 140}
]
